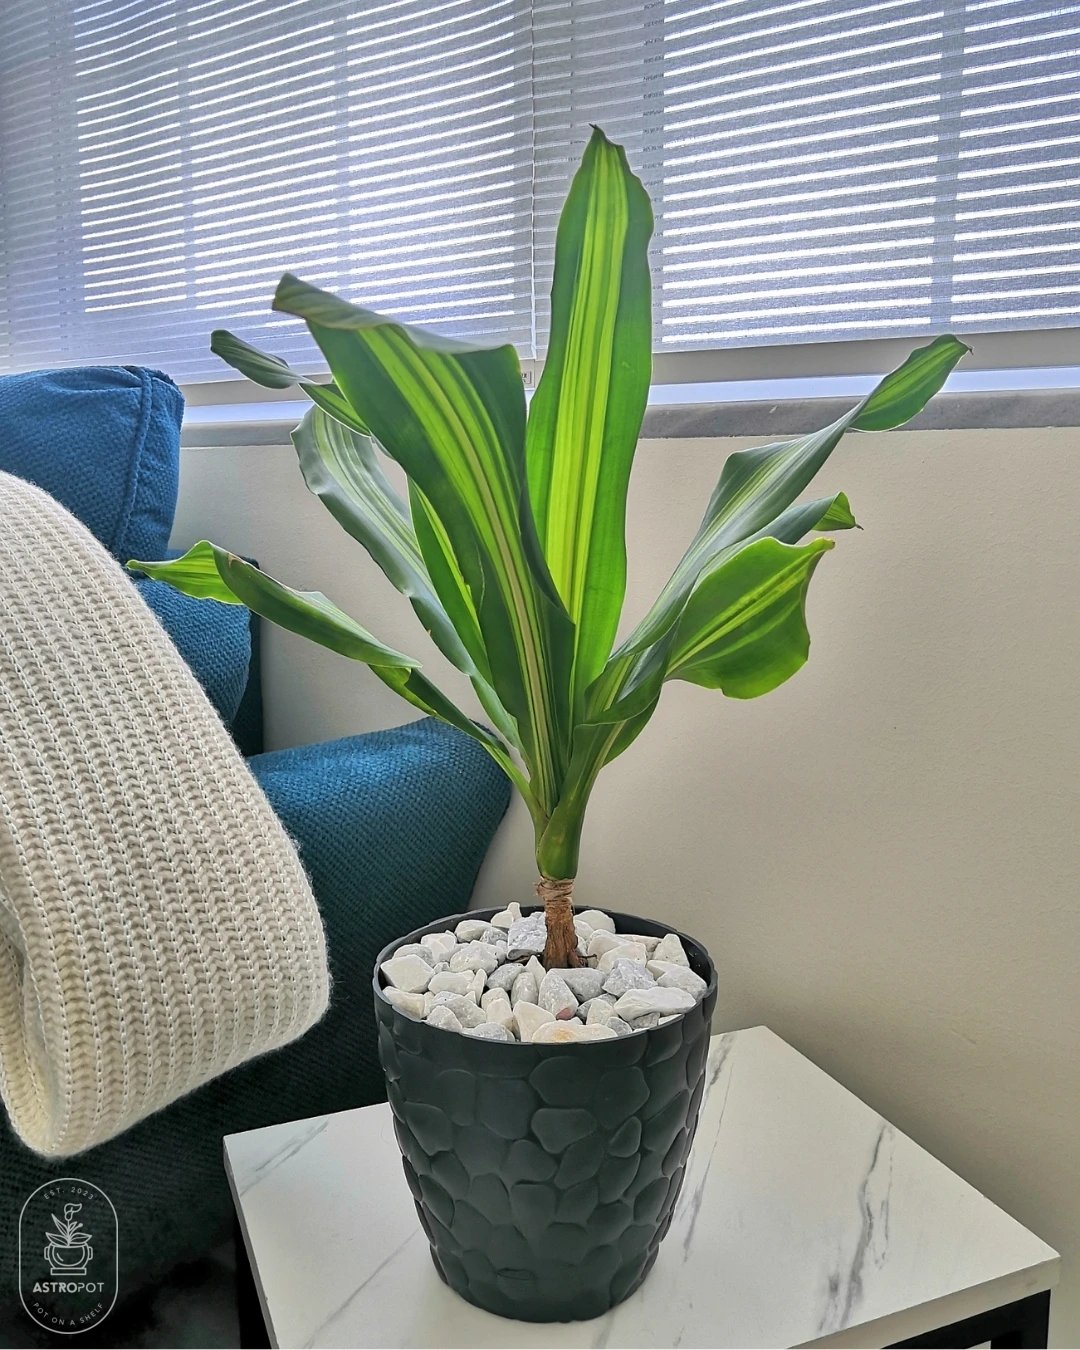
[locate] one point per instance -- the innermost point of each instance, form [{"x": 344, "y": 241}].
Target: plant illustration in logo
[{"x": 69, "y": 1251}]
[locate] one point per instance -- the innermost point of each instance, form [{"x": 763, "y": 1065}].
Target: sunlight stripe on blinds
[{"x": 821, "y": 169}]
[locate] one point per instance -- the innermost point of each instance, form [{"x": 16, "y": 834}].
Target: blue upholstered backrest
[{"x": 104, "y": 441}]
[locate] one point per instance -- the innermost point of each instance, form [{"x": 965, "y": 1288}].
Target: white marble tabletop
[{"x": 805, "y": 1219}]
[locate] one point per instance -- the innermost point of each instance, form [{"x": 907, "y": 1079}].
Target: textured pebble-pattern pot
[{"x": 545, "y": 1176}]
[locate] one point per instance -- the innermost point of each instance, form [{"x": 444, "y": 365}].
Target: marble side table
[{"x": 805, "y": 1219}]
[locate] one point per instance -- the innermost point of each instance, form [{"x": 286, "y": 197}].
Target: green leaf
[
  {"x": 743, "y": 629},
  {"x": 341, "y": 467},
  {"x": 585, "y": 417},
  {"x": 274, "y": 373},
  {"x": 211, "y": 573},
  {"x": 453, "y": 415},
  {"x": 757, "y": 485}
]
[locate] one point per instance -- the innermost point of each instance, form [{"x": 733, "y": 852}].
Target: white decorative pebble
[
  {"x": 443, "y": 1017},
  {"x": 476, "y": 984},
  {"x": 449, "y": 982},
  {"x": 670, "y": 948},
  {"x": 475, "y": 956},
  {"x": 535, "y": 969},
  {"x": 626, "y": 951},
  {"x": 490, "y": 1031},
  {"x": 618, "y": 1026},
  {"x": 410, "y": 973},
  {"x": 583, "y": 982},
  {"x": 529, "y": 1018},
  {"x": 505, "y": 917},
  {"x": 596, "y": 918},
  {"x": 441, "y": 967},
  {"x": 640, "y": 1002},
  {"x": 600, "y": 1010},
  {"x": 501, "y": 1012},
  {"x": 671, "y": 1017},
  {"x": 601, "y": 941},
  {"x": 626, "y": 975},
  {"x": 581, "y": 928},
  {"x": 413, "y": 1004},
  {"x": 462, "y": 1006},
  {"x": 503, "y": 977},
  {"x": 557, "y": 1033},
  {"x": 682, "y": 977},
  {"x": 645, "y": 1023},
  {"x": 527, "y": 937},
  {"x": 525, "y": 989},
  {"x": 649, "y": 943},
  {"x": 471, "y": 930},
  {"x": 554, "y": 995},
  {"x": 659, "y": 968},
  {"x": 438, "y": 946}
]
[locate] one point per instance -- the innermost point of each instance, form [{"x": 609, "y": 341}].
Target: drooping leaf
[
  {"x": 757, "y": 485},
  {"x": 453, "y": 415},
  {"x": 585, "y": 417},
  {"x": 743, "y": 630},
  {"x": 212, "y": 573},
  {"x": 274, "y": 373}
]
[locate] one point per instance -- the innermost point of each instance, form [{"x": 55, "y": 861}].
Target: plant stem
[{"x": 560, "y": 950}]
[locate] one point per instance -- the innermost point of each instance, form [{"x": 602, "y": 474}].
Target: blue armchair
[{"x": 392, "y": 828}]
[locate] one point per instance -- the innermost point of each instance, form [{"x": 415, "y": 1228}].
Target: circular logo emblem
[{"x": 68, "y": 1244}]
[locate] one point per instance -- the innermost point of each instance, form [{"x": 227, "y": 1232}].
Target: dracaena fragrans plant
[{"x": 511, "y": 544}]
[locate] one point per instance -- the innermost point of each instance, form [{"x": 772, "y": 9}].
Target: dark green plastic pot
[{"x": 545, "y": 1176}]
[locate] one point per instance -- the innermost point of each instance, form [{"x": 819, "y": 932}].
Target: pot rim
[{"x": 452, "y": 920}]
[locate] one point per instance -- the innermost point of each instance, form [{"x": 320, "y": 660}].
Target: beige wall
[{"x": 883, "y": 855}]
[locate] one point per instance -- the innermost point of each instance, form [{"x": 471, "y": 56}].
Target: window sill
[{"x": 263, "y": 424}]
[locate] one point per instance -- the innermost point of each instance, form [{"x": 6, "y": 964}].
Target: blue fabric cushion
[
  {"x": 392, "y": 828},
  {"x": 104, "y": 441},
  {"x": 214, "y": 639}
]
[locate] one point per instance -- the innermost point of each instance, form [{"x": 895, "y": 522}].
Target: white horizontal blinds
[
  {"x": 1016, "y": 252},
  {"x": 380, "y": 149},
  {"x": 841, "y": 169},
  {"x": 820, "y": 169}
]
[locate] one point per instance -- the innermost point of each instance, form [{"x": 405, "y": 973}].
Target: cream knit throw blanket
[{"x": 156, "y": 926}]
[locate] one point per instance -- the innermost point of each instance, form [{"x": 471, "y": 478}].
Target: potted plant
[{"x": 545, "y": 1070}]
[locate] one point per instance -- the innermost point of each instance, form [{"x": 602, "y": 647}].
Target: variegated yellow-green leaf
[{"x": 585, "y": 417}]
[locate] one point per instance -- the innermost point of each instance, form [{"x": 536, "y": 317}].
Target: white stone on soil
[
  {"x": 499, "y": 1010},
  {"x": 682, "y": 977},
  {"x": 626, "y": 951},
  {"x": 596, "y": 918},
  {"x": 645, "y": 1023},
  {"x": 618, "y": 1026},
  {"x": 626, "y": 975},
  {"x": 505, "y": 917},
  {"x": 504, "y": 976},
  {"x": 471, "y": 930},
  {"x": 443, "y": 1017},
  {"x": 413, "y": 1004},
  {"x": 554, "y": 995},
  {"x": 640, "y": 1002},
  {"x": 449, "y": 982},
  {"x": 601, "y": 941},
  {"x": 490, "y": 1031},
  {"x": 475, "y": 956},
  {"x": 583, "y": 982},
  {"x": 438, "y": 946},
  {"x": 669, "y": 948},
  {"x": 462, "y": 1006},
  {"x": 559, "y": 1033},
  {"x": 412, "y": 949},
  {"x": 525, "y": 989},
  {"x": 476, "y": 984},
  {"x": 409, "y": 973},
  {"x": 526, "y": 937},
  {"x": 528, "y": 1019},
  {"x": 535, "y": 969},
  {"x": 601, "y": 1009}
]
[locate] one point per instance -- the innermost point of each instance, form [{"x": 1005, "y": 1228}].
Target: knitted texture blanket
[{"x": 156, "y": 925}]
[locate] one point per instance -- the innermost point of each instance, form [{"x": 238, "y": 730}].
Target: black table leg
[
  {"x": 1024, "y": 1324},
  {"x": 252, "y": 1326}
]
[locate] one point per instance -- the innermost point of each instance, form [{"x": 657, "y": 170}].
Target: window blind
[{"x": 820, "y": 169}]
